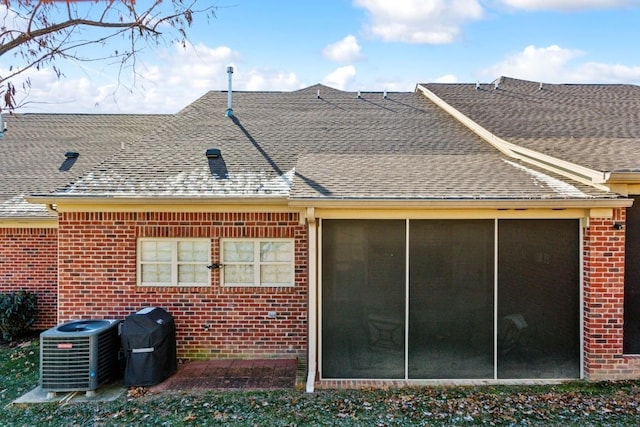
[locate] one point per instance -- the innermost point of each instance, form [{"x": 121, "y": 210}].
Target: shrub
[{"x": 17, "y": 313}]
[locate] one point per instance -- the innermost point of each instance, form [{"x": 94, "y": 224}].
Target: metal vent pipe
[{"x": 230, "y": 93}]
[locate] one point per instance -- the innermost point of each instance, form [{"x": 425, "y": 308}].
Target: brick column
[{"x": 604, "y": 250}]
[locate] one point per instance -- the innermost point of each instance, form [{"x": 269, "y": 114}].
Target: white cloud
[
  {"x": 269, "y": 80},
  {"x": 173, "y": 79},
  {"x": 345, "y": 50},
  {"x": 592, "y": 72},
  {"x": 392, "y": 85},
  {"x": 545, "y": 64},
  {"x": 554, "y": 64},
  {"x": 419, "y": 21},
  {"x": 447, "y": 78},
  {"x": 568, "y": 4},
  {"x": 341, "y": 77}
]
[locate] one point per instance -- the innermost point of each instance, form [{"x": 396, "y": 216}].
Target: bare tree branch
[
  {"x": 37, "y": 40},
  {"x": 25, "y": 37}
]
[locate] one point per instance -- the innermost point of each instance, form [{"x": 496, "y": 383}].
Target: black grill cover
[{"x": 149, "y": 344}]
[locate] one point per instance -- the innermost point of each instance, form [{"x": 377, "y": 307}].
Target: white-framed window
[
  {"x": 257, "y": 262},
  {"x": 174, "y": 262}
]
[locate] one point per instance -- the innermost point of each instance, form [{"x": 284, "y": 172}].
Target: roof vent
[
  {"x": 213, "y": 153},
  {"x": 384, "y": 95},
  {"x": 318, "y": 93},
  {"x": 359, "y": 96},
  {"x": 229, "y": 112},
  {"x": 71, "y": 154}
]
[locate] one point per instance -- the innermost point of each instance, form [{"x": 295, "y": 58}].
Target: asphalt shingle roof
[
  {"x": 32, "y": 152},
  {"x": 593, "y": 125},
  {"x": 315, "y": 143},
  {"x": 296, "y": 144},
  {"x": 429, "y": 177}
]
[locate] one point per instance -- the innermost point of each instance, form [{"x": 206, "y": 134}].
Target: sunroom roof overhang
[{"x": 587, "y": 203}]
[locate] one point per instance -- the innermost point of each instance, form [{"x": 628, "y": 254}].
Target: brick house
[
  {"x": 373, "y": 236},
  {"x": 37, "y": 155}
]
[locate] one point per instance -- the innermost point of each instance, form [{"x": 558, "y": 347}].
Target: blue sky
[{"x": 368, "y": 45}]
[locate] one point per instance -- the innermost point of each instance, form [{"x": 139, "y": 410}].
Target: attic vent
[
  {"x": 71, "y": 154},
  {"x": 213, "y": 153}
]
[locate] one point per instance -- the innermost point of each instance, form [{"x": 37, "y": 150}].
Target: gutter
[
  {"x": 67, "y": 203},
  {"x": 574, "y": 171},
  {"x": 493, "y": 204},
  {"x": 624, "y": 177},
  {"x": 56, "y": 204},
  {"x": 135, "y": 199}
]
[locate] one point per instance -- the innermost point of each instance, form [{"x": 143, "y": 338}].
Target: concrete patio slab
[{"x": 105, "y": 393}]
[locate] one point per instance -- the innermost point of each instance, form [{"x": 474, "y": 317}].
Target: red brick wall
[
  {"x": 29, "y": 261},
  {"x": 98, "y": 279},
  {"x": 604, "y": 302}
]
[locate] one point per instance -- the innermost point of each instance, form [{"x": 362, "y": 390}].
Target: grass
[{"x": 569, "y": 404}]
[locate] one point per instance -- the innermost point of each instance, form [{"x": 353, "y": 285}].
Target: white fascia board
[
  {"x": 586, "y": 203},
  {"x": 143, "y": 204}
]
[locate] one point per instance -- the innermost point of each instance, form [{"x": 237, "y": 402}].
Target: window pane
[
  {"x": 193, "y": 251},
  {"x": 451, "y": 299},
  {"x": 238, "y": 251},
  {"x": 156, "y": 273},
  {"x": 276, "y": 274},
  {"x": 275, "y": 251},
  {"x": 538, "y": 299},
  {"x": 238, "y": 274},
  {"x": 363, "y": 299},
  {"x": 155, "y": 250},
  {"x": 191, "y": 273}
]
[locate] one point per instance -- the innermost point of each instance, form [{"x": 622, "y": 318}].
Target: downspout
[
  {"x": 312, "y": 335},
  {"x": 53, "y": 209}
]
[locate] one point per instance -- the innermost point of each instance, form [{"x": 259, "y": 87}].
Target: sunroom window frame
[
  {"x": 257, "y": 263},
  {"x": 175, "y": 263}
]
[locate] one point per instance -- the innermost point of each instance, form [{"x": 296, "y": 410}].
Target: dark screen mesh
[
  {"x": 451, "y": 299},
  {"x": 451, "y": 330},
  {"x": 538, "y": 295},
  {"x": 363, "y": 299},
  {"x": 632, "y": 280}
]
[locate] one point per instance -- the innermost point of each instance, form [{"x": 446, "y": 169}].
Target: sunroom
[
  {"x": 441, "y": 299},
  {"x": 452, "y": 268}
]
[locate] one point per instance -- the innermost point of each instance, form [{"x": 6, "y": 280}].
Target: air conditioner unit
[{"x": 80, "y": 355}]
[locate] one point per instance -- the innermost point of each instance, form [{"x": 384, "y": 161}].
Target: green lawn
[{"x": 571, "y": 404}]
